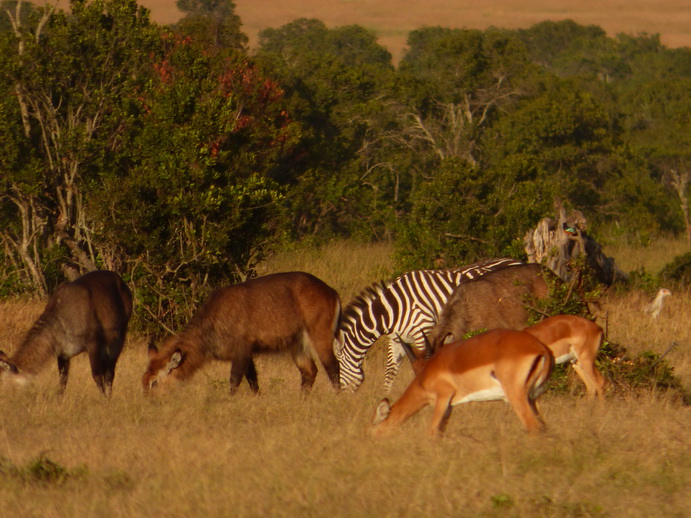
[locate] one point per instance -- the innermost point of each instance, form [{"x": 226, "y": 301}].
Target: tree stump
[{"x": 554, "y": 243}]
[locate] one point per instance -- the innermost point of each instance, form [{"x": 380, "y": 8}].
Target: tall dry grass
[
  {"x": 345, "y": 265},
  {"x": 195, "y": 451},
  {"x": 652, "y": 257}
]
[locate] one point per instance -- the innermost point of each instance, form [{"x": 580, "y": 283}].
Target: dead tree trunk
[
  {"x": 555, "y": 243},
  {"x": 679, "y": 179}
]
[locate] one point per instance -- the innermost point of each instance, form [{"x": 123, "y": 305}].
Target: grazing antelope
[
  {"x": 495, "y": 300},
  {"x": 500, "y": 364},
  {"x": 575, "y": 339},
  {"x": 88, "y": 314},
  {"x": 293, "y": 312}
]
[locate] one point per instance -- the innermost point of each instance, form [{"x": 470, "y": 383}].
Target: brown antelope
[
  {"x": 495, "y": 300},
  {"x": 88, "y": 314},
  {"x": 575, "y": 339},
  {"x": 500, "y": 364},
  {"x": 293, "y": 312}
]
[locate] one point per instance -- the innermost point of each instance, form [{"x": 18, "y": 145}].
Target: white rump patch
[
  {"x": 490, "y": 394},
  {"x": 570, "y": 356}
]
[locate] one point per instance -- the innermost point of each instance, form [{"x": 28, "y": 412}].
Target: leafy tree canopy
[{"x": 212, "y": 23}]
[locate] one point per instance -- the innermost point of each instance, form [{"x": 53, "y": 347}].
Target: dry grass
[
  {"x": 392, "y": 20},
  {"x": 652, "y": 257},
  {"x": 347, "y": 266},
  {"x": 195, "y": 451}
]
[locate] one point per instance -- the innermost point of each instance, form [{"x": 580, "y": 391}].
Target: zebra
[{"x": 403, "y": 309}]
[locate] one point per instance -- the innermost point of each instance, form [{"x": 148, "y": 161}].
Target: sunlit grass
[
  {"x": 347, "y": 266},
  {"x": 195, "y": 451},
  {"x": 652, "y": 257}
]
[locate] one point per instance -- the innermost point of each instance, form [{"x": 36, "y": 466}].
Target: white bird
[{"x": 655, "y": 306}]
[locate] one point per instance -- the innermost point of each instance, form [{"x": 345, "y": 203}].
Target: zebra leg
[{"x": 394, "y": 356}]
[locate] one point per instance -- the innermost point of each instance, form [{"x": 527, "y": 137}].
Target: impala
[
  {"x": 500, "y": 364},
  {"x": 575, "y": 339}
]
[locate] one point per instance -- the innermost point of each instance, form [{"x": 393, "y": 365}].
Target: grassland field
[
  {"x": 194, "y": 451},
  {"x": 392, "y": 20}
]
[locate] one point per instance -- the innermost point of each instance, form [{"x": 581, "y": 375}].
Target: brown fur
[
  {"x": 575, "y": 339},
  {"x": 515, "y": 361},
  {"x": 495, "y": 300},
  {"x": 291, "y": 312},
  {"x": 89, "y": 314}
]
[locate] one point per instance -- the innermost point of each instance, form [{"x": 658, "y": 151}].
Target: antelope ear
[
  {"x": 338, "y": 346},
  {"x": 175, "y": 360},
  {"x": 429, "y": 348},
  {"x": 382, "y": 412},
  {"x": 407, "y": 349},
  {"x": 152, "y": 349},
  {"x": 7, "y": 366}
]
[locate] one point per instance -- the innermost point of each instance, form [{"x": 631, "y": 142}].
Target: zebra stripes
[{"x": 404, "y": 308}]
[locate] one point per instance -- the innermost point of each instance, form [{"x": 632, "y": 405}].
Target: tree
[
  {"x": 655, "y": 113},
  {"x": 643, "y": 87},
  {"x": 679, "y": 179},
  {"x": 71, "y": 75},
  {"x": 574, "y": 141},
  {"x": 212, "y": 23},
  {"x": 457, "y": 82},
  {"x": 464, "y": 213},
  {"x": 196, "y": 207},
  {"x": 13, "y": 11},
  {"x": 344, "y": 181},
  {"x": 567, "y": 49}
]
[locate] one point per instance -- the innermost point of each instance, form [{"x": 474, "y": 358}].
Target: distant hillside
[{"x": 392, "y": 20}]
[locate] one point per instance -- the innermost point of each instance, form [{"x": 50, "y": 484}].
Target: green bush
[
  {"x": 644, "y": 371},
  {"x": 679, "y": 270},
  {"x": 41, "y": 470}
]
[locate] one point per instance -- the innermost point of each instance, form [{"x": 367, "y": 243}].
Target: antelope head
[
  {"x": 7, "y": 367},
  {"x": 162, "y": 367}
]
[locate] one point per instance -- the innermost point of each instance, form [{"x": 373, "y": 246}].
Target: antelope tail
[{"x": 539, "y": 373}]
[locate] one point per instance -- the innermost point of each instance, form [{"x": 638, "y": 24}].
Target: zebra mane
[{"x": 365, "y": 298}]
